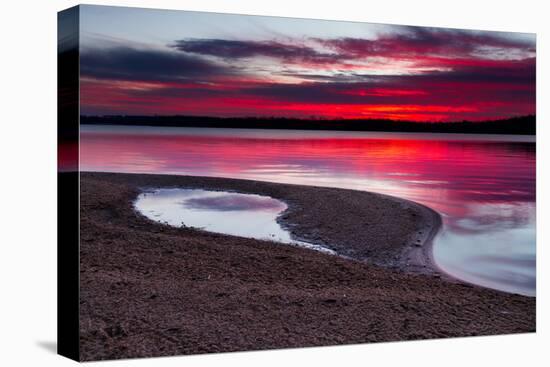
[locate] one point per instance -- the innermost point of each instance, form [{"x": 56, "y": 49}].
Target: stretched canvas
[{"x": 233, "y": 182}]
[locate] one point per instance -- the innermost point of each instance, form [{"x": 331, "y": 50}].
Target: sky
[{"x": 159, "y": 62}]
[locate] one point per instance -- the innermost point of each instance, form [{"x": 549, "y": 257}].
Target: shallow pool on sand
[{"x": 244, "y": 215}]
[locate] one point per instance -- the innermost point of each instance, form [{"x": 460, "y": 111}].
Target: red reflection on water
[
  {"x": 67, "y": 157},
  {"x": 438, "y": 172}
]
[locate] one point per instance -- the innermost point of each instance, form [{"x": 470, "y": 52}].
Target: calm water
[
  {"x": 244, "y": 215},
  {"x": 483, "y": 186}
]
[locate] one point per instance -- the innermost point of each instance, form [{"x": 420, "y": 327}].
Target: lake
[{"x": 482, "y": 185}]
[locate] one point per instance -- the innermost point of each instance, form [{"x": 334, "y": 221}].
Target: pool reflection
[{"x": 244, "y": 215}]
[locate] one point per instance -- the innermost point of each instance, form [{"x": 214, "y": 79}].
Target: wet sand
[{"x": 150, "y": 290}]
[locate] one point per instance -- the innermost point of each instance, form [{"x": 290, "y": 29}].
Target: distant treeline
[{"x": 524, "y": 125}]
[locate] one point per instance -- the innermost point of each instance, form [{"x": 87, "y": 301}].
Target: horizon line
[{"x": 312, "y": 119}]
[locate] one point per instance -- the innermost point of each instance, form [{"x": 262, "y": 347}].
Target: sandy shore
[{"x": 151, "y": 290}]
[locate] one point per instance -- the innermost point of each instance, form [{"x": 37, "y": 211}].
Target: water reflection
[
  {"x": 483, "y": 186},
  {"x": 244, "y": 215}
]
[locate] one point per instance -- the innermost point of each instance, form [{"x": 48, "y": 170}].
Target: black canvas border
[{"x": 68, "y": 185}]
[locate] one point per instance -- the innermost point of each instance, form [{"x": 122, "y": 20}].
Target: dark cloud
[
  {"x": 230, "y": 49},
  {"x": 414, "y": 41},
  {"x": 422, "y": 41},
  {"x": 123, "y": 63},
  {"x": 506, "y": 71},
  {"x": 511, "y": 82}
]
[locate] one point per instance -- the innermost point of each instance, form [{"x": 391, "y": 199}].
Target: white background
[{"x": 28, "y": 182}]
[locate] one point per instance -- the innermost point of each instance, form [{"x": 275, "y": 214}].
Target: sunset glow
[{"x": 231, "y": 66}]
